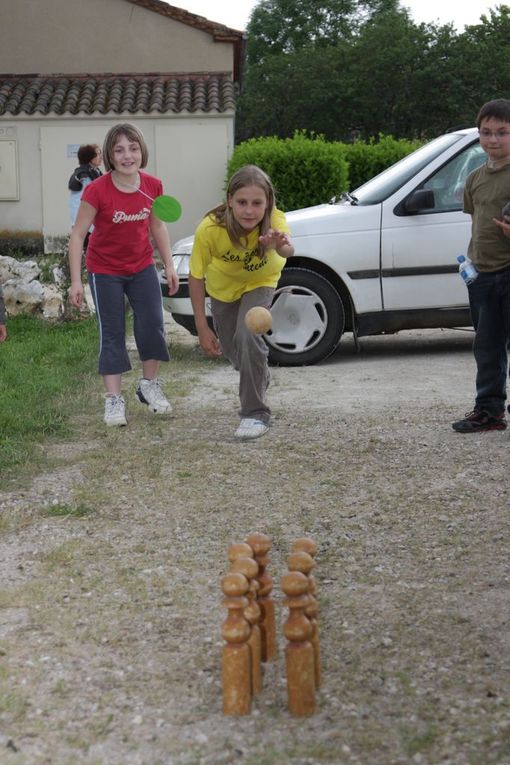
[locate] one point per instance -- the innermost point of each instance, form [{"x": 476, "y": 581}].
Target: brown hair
[
  {"x": 249, "y": 175},
  {"x": 87, "y": 152},
  {"x": 499, "y": 109},
  {"x": 132, "y": 133}
]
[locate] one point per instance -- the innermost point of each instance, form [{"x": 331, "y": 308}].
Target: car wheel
[{"x": 308, "y": 319}]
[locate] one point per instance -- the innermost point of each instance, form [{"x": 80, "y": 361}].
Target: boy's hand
[
  {"x": 3, "y": 333},
  {"x": 504, "y": 225}
]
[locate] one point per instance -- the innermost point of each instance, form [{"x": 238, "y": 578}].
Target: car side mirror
[{"x": 421, "y": 199}]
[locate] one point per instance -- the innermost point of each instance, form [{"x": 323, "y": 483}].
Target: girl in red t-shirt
[{"x": 119, "y": 262}]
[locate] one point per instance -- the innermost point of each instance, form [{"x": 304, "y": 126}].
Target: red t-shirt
[{"x": 120, "y": 243}]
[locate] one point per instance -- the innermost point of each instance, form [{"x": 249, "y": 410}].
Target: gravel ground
[{"x": 110, "y": 561}]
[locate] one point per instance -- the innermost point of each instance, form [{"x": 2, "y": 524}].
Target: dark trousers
[
  {"x": 489, "y": 299},
  {"x": 143, "y": 292}
]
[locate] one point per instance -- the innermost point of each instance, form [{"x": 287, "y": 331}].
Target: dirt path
[{"x": 110, "y": 613}]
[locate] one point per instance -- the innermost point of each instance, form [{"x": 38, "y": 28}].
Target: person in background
[
  {"x": 486, "y": 193},
  {"x": 239, "y": 251},
  {"x": 89, "y": 157}
]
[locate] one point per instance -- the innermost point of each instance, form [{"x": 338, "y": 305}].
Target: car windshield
[{"x": 377, "y": 189}]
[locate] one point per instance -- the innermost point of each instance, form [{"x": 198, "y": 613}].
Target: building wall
[
  {"x": 102, "y": 36},
  {"x": 189, "y": 153}
]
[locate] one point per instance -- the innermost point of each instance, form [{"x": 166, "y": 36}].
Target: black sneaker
[{"x": 479, "y": 420}]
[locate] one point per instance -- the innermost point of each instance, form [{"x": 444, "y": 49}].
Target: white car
[{"x": 377, "y": 260}]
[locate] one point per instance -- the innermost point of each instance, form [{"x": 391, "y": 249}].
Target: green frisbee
[{"x": 167, "y": 208}]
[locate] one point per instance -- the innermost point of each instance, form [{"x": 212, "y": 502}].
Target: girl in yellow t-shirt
[{"x": 238, "y": 254}]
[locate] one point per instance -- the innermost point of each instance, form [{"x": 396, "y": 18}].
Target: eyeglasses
[{"x": 496, "y": 133}]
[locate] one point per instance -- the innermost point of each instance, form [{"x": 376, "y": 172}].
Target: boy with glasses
[{"x": 486, "y": 192}]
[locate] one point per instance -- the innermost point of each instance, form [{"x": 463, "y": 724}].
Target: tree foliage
[
  {"x": 286, "y": 26},
  {"x": 349, "y": 68}
]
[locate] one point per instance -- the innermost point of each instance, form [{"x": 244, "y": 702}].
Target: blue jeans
[{"x": 489, "y": 300}]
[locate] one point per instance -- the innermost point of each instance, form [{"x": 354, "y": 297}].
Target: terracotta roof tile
[{"x": 116, "y": 94}]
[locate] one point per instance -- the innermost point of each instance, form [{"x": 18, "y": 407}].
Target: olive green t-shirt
[{"x": 487, "y": 191}]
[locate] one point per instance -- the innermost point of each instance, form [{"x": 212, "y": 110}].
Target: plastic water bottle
[{"x": 467, "y": 269}]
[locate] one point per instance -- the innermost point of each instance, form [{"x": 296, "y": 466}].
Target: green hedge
[
  {"x": 309, "y": 170},
  {"x": 369, "y": 159},
  {"x": 305, "y": 171}
]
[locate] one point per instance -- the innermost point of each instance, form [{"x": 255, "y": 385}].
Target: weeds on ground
[{"x": 48, "y": 373}]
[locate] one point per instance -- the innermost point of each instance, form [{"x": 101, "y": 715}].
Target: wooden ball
[
  {"x": 305, "y": 544},
  {"x": 300, "y": 561},
  {"x": 258, "y": 320},
  {"x": 259, "y": 542}
]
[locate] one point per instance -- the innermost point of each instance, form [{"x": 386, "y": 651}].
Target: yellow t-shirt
[{"x": 228, "y": 271}]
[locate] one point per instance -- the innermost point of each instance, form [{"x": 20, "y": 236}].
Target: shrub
[
  {"x": 369, "y": 159},
  {"x": 308, "y": 170},
  {"x": 304, "y": 170}
]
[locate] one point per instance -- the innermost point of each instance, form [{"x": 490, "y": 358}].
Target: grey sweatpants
[{"x": 246, "y": 351}]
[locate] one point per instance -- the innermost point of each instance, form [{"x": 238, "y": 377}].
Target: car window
[
  {"x": 448, "y": 182},
  {"x": 379, "y": 188}
]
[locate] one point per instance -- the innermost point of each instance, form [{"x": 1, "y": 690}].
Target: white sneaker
[
  {"x": 250, "y": 428},
  {"x": 149, "y": 392},
  {"x": 114, "y": 410}
]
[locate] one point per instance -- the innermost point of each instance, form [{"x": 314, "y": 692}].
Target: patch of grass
[
  {"x": 23, "y": 596},
  {"x": 60, "y": 689},
  {"x": 418, "y": 741},
  {"x": 67, "y": 511},
  {"x": 60, "y": 557},
  {"x": 45, "y": 369},
  {"x": 13, "y": 706}
]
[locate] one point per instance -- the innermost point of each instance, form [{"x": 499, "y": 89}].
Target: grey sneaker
[
  {"x": 250, "y": 428},
  {"x": 114, "y": 410},
  {"x": 149, "y": 392}
]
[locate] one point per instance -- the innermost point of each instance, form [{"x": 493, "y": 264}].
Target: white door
[
  {"x": 192, "y": 157},
  {"x": 419, "y": 251}
]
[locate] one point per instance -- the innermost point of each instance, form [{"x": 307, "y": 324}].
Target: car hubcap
[{"x": 299, "y": 320}]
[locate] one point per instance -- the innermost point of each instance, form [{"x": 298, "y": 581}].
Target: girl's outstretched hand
[
  {"x": 279, "y": 241},
  {"x": 275, "y": 239}
]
